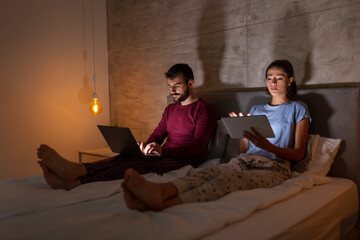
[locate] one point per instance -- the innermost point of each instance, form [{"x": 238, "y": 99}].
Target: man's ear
[{"x": 191, "y": 83}]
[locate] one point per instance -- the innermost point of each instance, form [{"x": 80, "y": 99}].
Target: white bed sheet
[
  {"x": 326, "y": 211},
  {"x": 97, "y": 211}
]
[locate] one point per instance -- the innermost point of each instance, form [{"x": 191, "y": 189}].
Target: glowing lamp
[{"x": 95, "y": 107}]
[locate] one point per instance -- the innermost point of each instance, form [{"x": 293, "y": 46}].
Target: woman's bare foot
[
  {"x": 66, "y": 170},
  {"x": 147, "y": 192},
  {"x": 54, "y": 181},
  {"x": 132, "y": 201}
]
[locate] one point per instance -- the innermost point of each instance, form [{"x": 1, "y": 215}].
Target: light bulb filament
[{"x": 95, "y": 107}]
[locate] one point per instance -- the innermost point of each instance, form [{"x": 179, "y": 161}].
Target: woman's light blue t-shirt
[{"x": 283, "y": 119}]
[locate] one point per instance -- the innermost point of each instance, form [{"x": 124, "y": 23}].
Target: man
[{"x": 188, "y": 125}]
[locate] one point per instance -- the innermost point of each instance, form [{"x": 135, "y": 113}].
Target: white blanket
[
  {"x": 29, "y": 195},
  {"x": 29, "y": 210}
]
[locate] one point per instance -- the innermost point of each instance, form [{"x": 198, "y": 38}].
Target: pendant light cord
[{"x": 93, "y": 35}]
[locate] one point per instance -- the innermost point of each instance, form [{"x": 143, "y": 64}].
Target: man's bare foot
[
  {"x": 132, "y": 201},
  {"x": 147, "y": 192},
  {"x": 66, "y": 170},
  {"x": 51, "y": 179},
  {"x": 54, "y": 181}
]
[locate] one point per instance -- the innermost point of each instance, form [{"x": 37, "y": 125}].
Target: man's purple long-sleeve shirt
[{"x": 188, "y": 130}]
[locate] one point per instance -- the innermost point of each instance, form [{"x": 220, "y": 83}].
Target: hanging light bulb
[{"x": 95, "y": 107}]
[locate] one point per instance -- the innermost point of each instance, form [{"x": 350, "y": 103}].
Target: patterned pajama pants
[{"x": 214, "y": 182}]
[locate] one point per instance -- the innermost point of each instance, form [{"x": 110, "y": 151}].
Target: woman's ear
[{"x": 290, "y": 80}]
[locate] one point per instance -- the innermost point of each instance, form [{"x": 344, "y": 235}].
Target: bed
[{"x": 307, "y": 206}]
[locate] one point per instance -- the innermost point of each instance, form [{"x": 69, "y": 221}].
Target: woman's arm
[
  {"x": 295, "y": 154},
  {"x": 244, "y": 145}
]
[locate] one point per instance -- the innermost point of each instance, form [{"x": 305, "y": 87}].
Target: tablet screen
[{"x": 236, "y": 125}]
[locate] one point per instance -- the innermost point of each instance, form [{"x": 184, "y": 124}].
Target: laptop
[
  {"x": 122, "y": 141},
  {"x": 236, "y": 125}
]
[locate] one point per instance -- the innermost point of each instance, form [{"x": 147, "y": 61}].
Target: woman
[{"x": 262, "y": 162}]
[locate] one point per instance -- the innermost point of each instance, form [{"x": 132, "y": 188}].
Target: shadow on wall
[
  {"x": 320, "y": 112},
  {"x": 85, "y": 93},
  {"x": 292, "y": 42},
  {"x": 211, "y": 43}
]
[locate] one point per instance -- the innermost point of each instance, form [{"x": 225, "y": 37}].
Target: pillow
[
  {"x": 321, "y": 152},
  {"x": 232, "y": 149},
  {"x": 222, "y": 145},
  {"x": 302, "y": 166},
  {"x": 218, "y": 142},
  {"x": 325, "y": 153}
]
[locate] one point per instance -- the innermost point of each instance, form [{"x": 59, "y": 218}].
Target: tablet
[{"x": 236, "y": 125}]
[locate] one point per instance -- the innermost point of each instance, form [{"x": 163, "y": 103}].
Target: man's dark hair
[
  {"x": 180, "y": 68},
  {"x": 288, "y": 68}
]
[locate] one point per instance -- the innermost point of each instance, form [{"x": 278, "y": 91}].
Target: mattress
[
  {"x": 295, "y": 209},
  {"x": 326, "y": 211}
]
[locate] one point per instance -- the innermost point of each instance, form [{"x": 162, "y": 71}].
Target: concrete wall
[
  {"x": 228, "y": 43},
  {"x": 46, "y": 80}
]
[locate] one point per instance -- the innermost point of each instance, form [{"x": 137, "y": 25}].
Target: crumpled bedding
[{"x": 29, "y": 209}]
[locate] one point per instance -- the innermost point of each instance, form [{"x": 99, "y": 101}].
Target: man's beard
[{"x": 182, "y": 97}]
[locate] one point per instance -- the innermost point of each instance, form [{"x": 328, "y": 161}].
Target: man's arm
[{"x": 160, "y": 132}]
